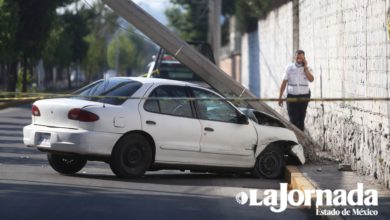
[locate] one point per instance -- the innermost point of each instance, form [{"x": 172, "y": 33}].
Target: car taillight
[
  {"x": 35, "y": 111},
  {"x": 168, "y": 58},
  {"x": 82, "y": 115}
]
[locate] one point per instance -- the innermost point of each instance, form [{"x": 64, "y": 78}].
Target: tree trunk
[
  {"x": 34, "y": 78},
  {"x": 12, "y": 76},
  {"x": 25, "y": 72},
  {"x": 2, "y": 77},
  {"x": 68, "y": 74}
]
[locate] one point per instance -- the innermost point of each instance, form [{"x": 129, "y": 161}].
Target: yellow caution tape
[{"x": 11, "y": 96}]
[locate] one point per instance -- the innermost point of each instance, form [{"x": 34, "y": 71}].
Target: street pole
[
  {"x": 191, "y": 58},
  {"x": 215, "y": 10}
]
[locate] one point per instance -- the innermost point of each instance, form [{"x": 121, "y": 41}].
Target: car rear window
[{"x": 114, "y": 91}]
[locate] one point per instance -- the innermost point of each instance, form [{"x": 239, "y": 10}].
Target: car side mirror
[{"x": 242, "y": 119}]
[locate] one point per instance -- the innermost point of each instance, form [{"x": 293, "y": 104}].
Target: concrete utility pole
[
  {"x": 295, "y": 25},
  {"x": 197, "y": 62},
  {"x": 215, "y": 10}
]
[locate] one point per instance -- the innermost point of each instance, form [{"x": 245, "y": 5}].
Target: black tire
[
  {"x": 270, "y": 163},
  {"x": 66, "y": 164},
  {"x": 131, "y": 157}
]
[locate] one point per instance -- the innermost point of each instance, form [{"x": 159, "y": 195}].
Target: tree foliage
[
  {"x": 34, "y": 23},
  {"x": 68, "y": 38},
  {"x": 189, "y": 19},
  {"x": 76, "y": 28},
  {"x": 249, "y": 11},
  {"x": 121, "y": 53},
  {"x": 8, "y": 26},
  {"x": 101, "y": 30},
  {"x": 129, "y": 53},
  {"x": 66, "y": 45},
  {"x": 27, "y": 25}
]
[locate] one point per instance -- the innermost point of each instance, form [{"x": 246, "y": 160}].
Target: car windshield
[
  {"x": 176, "y": 71},
  {"x": 112, "y": 91}
]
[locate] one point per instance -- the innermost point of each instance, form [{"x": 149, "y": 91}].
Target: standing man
[{"x": 297, "y": 78}]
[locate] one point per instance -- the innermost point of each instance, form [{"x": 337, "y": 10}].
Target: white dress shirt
[{"x": 298, "y": 84}]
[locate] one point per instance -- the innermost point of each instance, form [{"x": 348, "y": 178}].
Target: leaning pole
[{"x": 190, "y": 57}]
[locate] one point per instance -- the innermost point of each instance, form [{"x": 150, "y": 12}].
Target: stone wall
[{"x": 347, "y": 46}]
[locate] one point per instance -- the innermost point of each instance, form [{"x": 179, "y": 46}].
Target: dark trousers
[{"x": 297, "y": 110}]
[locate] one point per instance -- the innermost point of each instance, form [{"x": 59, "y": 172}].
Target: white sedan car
[{"x": 162, "y": 124}]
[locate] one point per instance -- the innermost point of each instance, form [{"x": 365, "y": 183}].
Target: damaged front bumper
[{"x": 297, "y": 151}]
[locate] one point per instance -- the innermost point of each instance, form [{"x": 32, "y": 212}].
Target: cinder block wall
[{"x": 347, "y": 46}]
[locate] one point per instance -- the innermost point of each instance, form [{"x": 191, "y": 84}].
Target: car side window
[
  {"x": 169, "y": 100},
  {"x": 211, "y": 107},
  {"x": 152, "y": 105}
]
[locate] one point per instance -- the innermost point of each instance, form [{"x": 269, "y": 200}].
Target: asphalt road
[{"x": 30, "y": 189}]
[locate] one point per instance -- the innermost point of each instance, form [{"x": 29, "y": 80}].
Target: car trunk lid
[{"x": 54, "y": 112}]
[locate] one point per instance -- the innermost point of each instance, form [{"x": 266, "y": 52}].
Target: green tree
[
  {"x": 128, "y": 52},
  {"x": 27, "y": 25},
  {"x": 67, "y": 44},
  {"x": 8, "y": 27},
  {"x": 122, "y": 54},
  {"x": 96, "y": 60},
  {"x": 249, "y": 11},
  {"x": 59, "y": 49},
  {"x": 101, "y": 26},
  {"x": 34, "y": 24},
  {"x": 189, "y": 19},
  {"x": 77, "y": 29}
]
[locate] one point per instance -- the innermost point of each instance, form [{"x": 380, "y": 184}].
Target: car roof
[{"x": 157, "y": 81}]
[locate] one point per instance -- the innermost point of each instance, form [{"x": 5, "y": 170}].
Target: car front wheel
[
  {"x": 270, "y": 163},
  {"x": 131, "y": 157},
  {"x": 66, "y": 164}
]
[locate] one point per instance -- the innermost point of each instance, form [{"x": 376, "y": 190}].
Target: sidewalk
[{"x": 329, "y": 177}]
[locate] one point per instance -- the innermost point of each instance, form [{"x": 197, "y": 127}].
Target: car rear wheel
[
  {"x": 66, "y": 164},
  {"x": 131, "y": 157},
  {"x": 270, "y": 163}
]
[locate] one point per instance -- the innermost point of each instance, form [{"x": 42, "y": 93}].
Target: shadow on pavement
[
  {"x": 11, "y": 129},
  {"x": 30, "y": 201},
  {"x": 11, "y": 135},
  {"x": 17, "y": 117},
  {"x": 11, "y": 141},
  {"x": 22, "y": 160},
  {"x": 13, "y": 124},
  {"x": 189, "y": 179},
  {"x": 20, "y": 150}
]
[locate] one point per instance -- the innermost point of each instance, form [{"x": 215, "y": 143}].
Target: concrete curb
[
  {"x": 297, "y": 180},
  {"x": 8, "y": 104}
]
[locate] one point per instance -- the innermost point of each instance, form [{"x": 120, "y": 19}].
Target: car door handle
[
  {"x": 151, "y": 123},
  {"x": 208, "y": 129}
]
